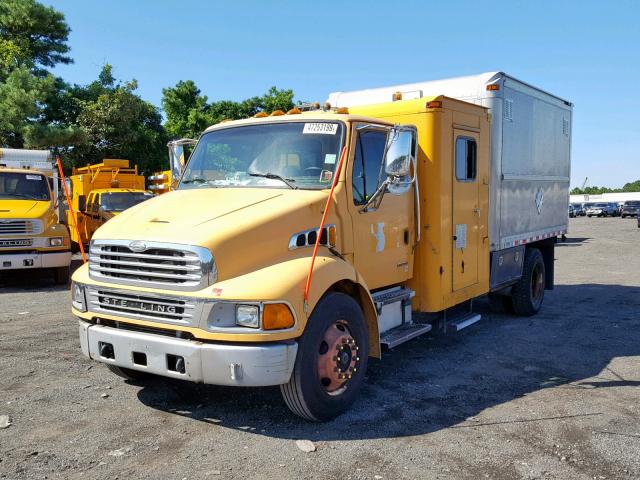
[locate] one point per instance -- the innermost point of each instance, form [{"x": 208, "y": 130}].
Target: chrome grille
[
  {"x": 20, "y": 226},
  {"x": 178, "y": 310},
  {"x": 170, "y": 266}
]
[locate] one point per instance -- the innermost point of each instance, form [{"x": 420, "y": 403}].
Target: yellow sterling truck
[
  {"x": 298, "y": 245},
  {"x": 101, "y": 191},
  {"x": 31, "y": 235}
]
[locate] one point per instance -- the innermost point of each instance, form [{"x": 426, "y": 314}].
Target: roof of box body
[{"x": 466, "y": 87}]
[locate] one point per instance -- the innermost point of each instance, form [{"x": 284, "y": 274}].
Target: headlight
[
  {"x": 248, "y": 316},
  {"x": 56, "y": 241},
  {"x": 77, "y": 297}
]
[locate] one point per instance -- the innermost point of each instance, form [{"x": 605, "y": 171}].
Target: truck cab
[
  {"x": 31, "y": 237},
  {"x": 298, "y": 245}
]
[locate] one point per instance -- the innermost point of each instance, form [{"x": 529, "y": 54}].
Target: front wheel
[
  {"x": 331, "y": 361},
  {"x": 528, "y": 293}
]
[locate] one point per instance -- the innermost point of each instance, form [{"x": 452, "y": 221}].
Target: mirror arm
[{"x": 376, "y": 198}]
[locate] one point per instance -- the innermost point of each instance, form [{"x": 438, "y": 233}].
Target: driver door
[{"x": 383, "y": 236}]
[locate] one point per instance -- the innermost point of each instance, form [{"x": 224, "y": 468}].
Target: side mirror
[
  {"x": 399, "y": 152},
  {"x": 399, "y": 158},
  {"x": 82, "y": 203}
]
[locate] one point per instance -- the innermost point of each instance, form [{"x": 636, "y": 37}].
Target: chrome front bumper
[
  {"x": 19, "y": 261},
  {"x": 246, "y": 365}
]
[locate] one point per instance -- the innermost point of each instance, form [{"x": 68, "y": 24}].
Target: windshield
[
  {"x": 120, "y": 201},
  {"x": 600, "y": 205},
  {"x": 632, "y": 204},
  {"x": 280, "y": 155},
  {"x": 25, "y": 186}
]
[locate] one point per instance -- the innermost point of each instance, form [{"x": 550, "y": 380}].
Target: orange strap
[
  {"x": 74, "y": 219},
  {"x": 324, "y": 217}
]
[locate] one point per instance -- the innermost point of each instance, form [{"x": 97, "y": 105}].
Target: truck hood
[
  {"x": 23, "y": 208},
  {"x": 186, "y": 209},
  {"x": 244, "y": 228}
]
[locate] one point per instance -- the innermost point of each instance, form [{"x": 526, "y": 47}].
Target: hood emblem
[{"x": 138, "y": 246}]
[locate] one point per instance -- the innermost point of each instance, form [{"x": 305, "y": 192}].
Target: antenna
[{"x": 584, "y": 184}]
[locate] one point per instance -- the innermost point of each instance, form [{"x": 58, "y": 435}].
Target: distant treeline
[{"x": 628, "y": 187}]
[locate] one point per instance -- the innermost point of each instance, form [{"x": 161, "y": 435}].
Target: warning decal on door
[{"x": 461, "y": 235}]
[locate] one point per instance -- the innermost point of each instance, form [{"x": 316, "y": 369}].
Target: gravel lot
[{"x": 554, "y": 396}]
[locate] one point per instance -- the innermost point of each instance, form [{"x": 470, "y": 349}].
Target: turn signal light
[
  {"x": 276, "y": 316},
  {"x": 397, "y": 96},
  {"x": 493, "y": 86},
  {"x": 434, "y": 104},
  {"x": 342, "y": 110}
]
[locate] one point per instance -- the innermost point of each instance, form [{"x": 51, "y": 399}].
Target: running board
[
  {"x": 394, "y": 337},
  {"x": 463, "y": 322}
]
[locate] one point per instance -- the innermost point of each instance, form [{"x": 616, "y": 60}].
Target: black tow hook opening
[
  {"x": 175, "y": 363},
  {"x": 106, "y": 350}
]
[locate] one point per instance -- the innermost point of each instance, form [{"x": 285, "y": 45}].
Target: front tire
[
  {"x": 331, "y": 361},
  {"x": 527, "y": 295}
]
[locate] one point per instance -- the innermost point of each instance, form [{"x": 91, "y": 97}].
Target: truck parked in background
[
  {"x": 31, "y": 235},
  {"x": 298, "y": 245},
  {"x": 101, "y": 191}
]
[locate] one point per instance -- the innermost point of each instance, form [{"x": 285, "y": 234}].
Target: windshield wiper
[
  {"x": 22, "y": 195},
  {"x": 276, "y": 177},
  {"x": 195, "y": 180}
]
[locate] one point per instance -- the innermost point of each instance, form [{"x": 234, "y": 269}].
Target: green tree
[
  {"x": 20, "y": 97},
  {"x": 32, "y": 34},
  {"x": 632, "y": 186},
  {"x": 120, "y": 124},
  {"x": 185, "y": 109},
  {"x": 32, "y": 37},
  {"x": 188, "y": 112}
]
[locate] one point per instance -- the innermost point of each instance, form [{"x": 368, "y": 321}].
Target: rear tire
[
  {"x": 61, "y": 275},
  {"x": 129, "y": 374},
  {"x": 335, "y": 343},
  {"x": 527, "y": 295}
]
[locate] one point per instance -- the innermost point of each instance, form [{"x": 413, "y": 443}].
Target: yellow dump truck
[
  {"x": 298, "y": 245},
  {"x": 31, "y": 235},
  {"x": 101, "y": 191}
]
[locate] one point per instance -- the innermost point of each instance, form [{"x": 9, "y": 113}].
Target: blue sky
[{"x": 585, "y": 51}]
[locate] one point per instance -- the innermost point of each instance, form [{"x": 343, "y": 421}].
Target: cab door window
[{"x": 368, "y": 171}]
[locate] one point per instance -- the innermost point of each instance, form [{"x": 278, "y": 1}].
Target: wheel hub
[{"x": 337, "y": 357}]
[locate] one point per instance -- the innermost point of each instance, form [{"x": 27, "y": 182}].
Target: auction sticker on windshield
[
  {"x": 322, "y": 128},
  {"x": 34, "y": 177}
]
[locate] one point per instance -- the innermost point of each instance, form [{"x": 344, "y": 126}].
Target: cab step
[
  {"x": 392, "y": 295},
  {"x": 396, "y": 336},
  {"x": 463, "y": 321}
]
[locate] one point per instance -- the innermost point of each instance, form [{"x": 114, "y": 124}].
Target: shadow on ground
[
  {"x": 433, "y": 383},
  {"x": 573, "y": 242},
  {"x": 14, "y": 281}
]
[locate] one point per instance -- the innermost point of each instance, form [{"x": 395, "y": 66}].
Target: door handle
[{"x": 476, "y": 211}]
